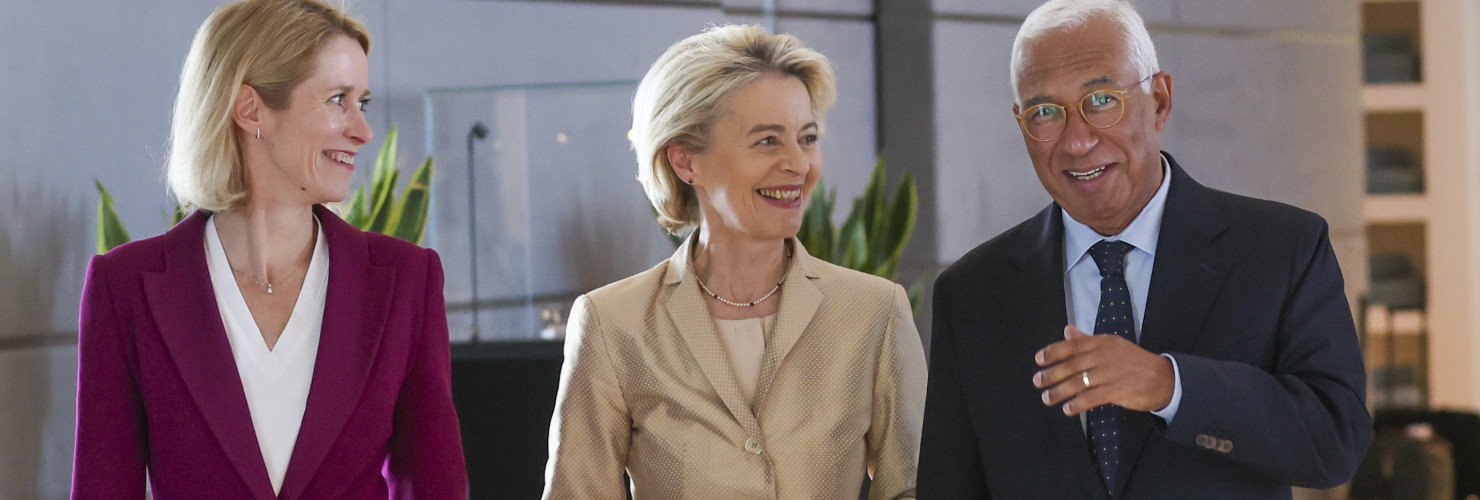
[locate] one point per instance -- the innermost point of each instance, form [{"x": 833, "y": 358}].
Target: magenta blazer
[{"x": 158, "y": 391}]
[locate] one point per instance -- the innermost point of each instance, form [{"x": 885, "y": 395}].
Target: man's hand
[{"x": 1119, "y": 372}]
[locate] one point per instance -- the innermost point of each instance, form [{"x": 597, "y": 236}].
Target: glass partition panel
[{"x": 534, "y": 202}]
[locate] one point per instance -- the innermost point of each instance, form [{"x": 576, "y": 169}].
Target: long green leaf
[
  {"x": 411, "y": 212},
  {"x": 177, "y": 215},
  {"x": 853, "y": 253},
  {"x": 357, "y": 214},
  {"x": 383, "y": 184},
  {"x": 111, "y": 232},
  {"x": 898, "y": 227},
  {"x": 816, "y": 231},
  {"x": 840, "y": 244}
]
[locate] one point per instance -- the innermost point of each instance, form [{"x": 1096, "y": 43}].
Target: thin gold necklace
[{"x": 266, "y": 285}]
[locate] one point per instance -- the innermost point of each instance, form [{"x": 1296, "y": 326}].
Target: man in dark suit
[{"x": 1143, "y": 336}]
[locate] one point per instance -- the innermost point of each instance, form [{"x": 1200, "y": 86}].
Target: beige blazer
[{"x": 647, "y": 388}]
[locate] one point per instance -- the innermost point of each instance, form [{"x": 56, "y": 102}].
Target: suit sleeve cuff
[{"x": 1170, "y": 411}]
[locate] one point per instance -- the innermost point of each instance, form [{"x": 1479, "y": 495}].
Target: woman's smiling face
[
  {"x": 763, "y": 160},
  {"x": 311, "y": 145}
]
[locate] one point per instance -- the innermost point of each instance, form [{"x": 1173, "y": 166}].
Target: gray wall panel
[
  {"x": 984, "y": 181},
  {"x": 1336, "y": 16},
  {"x": 36, "y": 425},
  {"x": 1267, "y": 117}
]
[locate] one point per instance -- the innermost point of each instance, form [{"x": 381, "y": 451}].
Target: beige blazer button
[
  {"x": 753, "y": 446},
  {"x": 1225, "y": 446},
  {"x": 1206, "y": 441}
]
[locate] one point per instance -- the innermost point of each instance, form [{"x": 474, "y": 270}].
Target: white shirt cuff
[{"x": 1170, "y": 411}]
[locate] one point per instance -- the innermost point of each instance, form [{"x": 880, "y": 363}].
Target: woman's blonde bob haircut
[
  {"x": 268, "y": 44},
  {"x": 680, "y": 99}
]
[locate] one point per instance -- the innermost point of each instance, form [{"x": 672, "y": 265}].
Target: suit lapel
[
  {"x": 1040, "y": 309},
  {"x": 183, "y": 304},
  {"x": 800, "y": 299},
  {"x": 686, "y": 308},
  {"x": 1189, "y": 268},
  {"x": 1185, "y": 280},
  {"x": 355, "y": 310}
]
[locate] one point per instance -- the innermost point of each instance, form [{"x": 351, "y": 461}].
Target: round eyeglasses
[{"x": 1102, "y": 108}]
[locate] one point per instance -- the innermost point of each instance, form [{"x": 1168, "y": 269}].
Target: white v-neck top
[
  {"x": 744, "y": 341},
  {"x": 276, "y": 381}
]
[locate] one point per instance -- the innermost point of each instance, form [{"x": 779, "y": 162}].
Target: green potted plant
[{"x": 873, "y": 237}]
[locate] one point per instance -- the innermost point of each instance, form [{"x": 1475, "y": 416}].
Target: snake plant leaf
[
  {"x": 177, "y": 215},
  {"x": 852, "y": 245},
  {"x": 383, "y": 203},
  {"x": 816, "y": 233},
  {"x": 382, "y": 185},
  {"x": 411, "y": 212},
  {"x": 358, "y": 214},
  {"x": 897, "y": 228},
  {"x": 111, "y": 232}
]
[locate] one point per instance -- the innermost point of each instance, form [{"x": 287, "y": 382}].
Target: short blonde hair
[
  {"x": 268, "y": 44},
  {"x": 679, "y": 100}
]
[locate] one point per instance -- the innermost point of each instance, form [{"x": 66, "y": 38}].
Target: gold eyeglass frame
[{"x": 1123, "y": 93}]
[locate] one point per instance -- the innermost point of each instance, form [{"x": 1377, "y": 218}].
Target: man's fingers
[
  {"x": 1060, "y": 372},
  {"x": 1063, "y": 349},
  {"x": 1072, "y": 384},
  {"x": 1087, "y": 399},
  {"x": 1072, "y": 332}
]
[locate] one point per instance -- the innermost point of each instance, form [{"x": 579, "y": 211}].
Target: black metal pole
[{"x": 478, "y": 132}]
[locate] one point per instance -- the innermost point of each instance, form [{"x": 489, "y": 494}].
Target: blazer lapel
[
  {"x": 183, "y": 304},
  {"x": 1185, "y": 280},
  {"x": 355, "y": 310},
  {"x": 1040, "y": 311},
  {"x": 800, "y": 299},
  {"x": 686, "y": 308}
]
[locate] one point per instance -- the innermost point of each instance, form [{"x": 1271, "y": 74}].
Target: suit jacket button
[
  {"x": 753, "y": 446},
  {"x": 1205, "y": 441},
  {"x": 1225, "y": 446}
]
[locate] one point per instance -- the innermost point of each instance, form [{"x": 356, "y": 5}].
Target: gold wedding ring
[{"x": 1084, "y": 377}]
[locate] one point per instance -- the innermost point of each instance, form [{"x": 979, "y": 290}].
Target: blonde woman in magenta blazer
[
  {"x": 263, "y": 348},
  {"x": 742, "y": 367}
]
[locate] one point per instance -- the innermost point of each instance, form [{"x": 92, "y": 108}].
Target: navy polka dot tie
[{"x": 1115, "y": 317}]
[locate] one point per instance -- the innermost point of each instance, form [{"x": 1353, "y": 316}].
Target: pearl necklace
[{"x": 753, "y": 303}]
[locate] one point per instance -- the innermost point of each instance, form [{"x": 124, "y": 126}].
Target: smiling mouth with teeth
[
  {"x": 345, "y": 158},
  {"x": 781, "y": 194},
  {"x": 1084, "y": 176}
]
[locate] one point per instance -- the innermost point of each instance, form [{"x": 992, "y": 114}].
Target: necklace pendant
[{"x": 269, "y": 288}]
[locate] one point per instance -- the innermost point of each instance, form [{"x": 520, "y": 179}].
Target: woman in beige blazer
[{"x": 740, "y": 368}]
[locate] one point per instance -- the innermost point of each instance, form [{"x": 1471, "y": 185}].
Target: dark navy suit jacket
[
  {"x": 157, "y": 386},
  {"x": 1245, "y": 293}
]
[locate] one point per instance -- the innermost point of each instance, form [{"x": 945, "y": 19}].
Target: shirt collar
[{"x": 1142, "y": 232}]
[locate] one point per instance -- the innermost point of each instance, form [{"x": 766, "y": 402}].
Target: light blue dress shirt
[{"x": 1082, "y": 276}]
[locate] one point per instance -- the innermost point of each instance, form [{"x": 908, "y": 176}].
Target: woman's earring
[
  {"x": 259, "y": 134},
  {"x": 691, "y": 181}
]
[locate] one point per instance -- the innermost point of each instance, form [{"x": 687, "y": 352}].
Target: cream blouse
[{"x": 745, "y": 346}]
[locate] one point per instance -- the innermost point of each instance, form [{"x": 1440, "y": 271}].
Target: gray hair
[{"x": 1057, "y": 15}]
